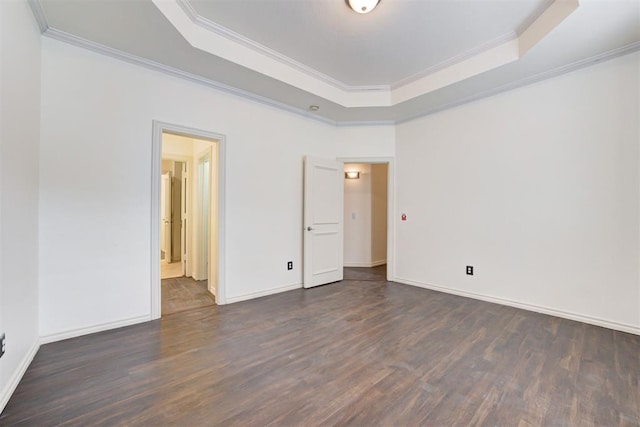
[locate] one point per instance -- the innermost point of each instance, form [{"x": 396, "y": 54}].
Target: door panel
[
  {"x": 323, "y": 197},
  {"x": 326, "y": 258},
  {"x": 323, "y": 216}
]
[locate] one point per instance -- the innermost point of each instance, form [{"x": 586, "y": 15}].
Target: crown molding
[
  {"x": 208, "y": 36},
  {"x": 505, "y": 38},
  {"x": 65, "y": 37},
  {"x": 225, "y": 32},
  {"x": 366, "y": 123},
  {"x": 38, "y": 14},
  {"x": 545, "y": 75},
  {"x": 174, "y": 72},
  {"x": 231, "y": 35},
  {"x": 455, "y": 60},
  {"x": 152, "y": 65},
  {"x": 219, "y": 44}
]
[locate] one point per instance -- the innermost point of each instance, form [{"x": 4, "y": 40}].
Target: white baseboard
[
  {"x": 624, "y": 327},
  {"x": 263, "y": 293},
  {"x": 17, "y": 375},
  {"x": 59, "y": 336},
  {"x": 365, "y": 264}
]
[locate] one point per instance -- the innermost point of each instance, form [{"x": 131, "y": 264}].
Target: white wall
[
  {"x": 538, "y": 188},
  {"x": 357, "y": 217},
  {"x": 19, "y": 144},
  {"x": 365, "y": 141},
  {"x": 96, "y": 110}
]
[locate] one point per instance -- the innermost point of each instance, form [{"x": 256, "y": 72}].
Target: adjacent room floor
[
  {"x": 378, "y": 273},
  {"x": 169, "y": 270},
  {"x": 359, "y": 352},
  {"x": 184, "y": 293}
]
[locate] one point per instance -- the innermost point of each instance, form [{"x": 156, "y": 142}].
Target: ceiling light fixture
[
  {"x": 314, "y": 107},
  {"x": 362, "y": 6}
]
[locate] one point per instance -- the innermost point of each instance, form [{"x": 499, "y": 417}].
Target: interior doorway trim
[
  {"x": 156, "y": 169},
  {"x": 391, "y": 203}
]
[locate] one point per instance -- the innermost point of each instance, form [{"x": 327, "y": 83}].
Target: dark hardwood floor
[
  {"x": 376, "y": 274},
  {"x": 184, "y": 293},
  {"x": 358, "y": 352}
]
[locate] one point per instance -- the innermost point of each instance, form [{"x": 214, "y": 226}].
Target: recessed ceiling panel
[{"x": 399, "y": 39}]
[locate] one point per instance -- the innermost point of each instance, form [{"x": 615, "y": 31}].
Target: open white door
[
  {"x": 323, "y": 216},
  {"x": 165, "y": 217}
]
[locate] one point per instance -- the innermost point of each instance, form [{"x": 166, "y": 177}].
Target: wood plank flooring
[
  {"x": 358, "y": 352},
  {"x": 376, "y": 274},
  {"x": 184, "y": 293},
  {"x": 170, "y": 270}
]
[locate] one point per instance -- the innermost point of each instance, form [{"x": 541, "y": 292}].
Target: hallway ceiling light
[
  {"x": 362, "y": 6},
  {"x": 352, "y": 175}
]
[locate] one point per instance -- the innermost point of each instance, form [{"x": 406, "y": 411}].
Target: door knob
[{"x": 309, "y": 228}]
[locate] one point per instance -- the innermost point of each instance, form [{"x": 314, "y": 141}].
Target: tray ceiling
[
  {"x": 397, "y": 40},
  {"x": 405, "y": 59}
]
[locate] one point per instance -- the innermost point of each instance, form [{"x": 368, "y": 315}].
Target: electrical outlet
[
  {"x": 290, "y": 265},
  {"x": 470, "y": 270},
  {"x": 3, "y": 342}
]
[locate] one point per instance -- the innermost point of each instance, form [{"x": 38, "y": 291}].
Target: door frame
[
  {"x": 167, "y": 256},
  {"x": 202, "y": 242},
  {"x": 187, "y": 268},
  {"x": 159, "y": 128},
  {"x": 391, "y": 203}
]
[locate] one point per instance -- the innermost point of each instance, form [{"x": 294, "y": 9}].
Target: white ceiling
[
  {"x": 400, "y": 38},
  {"x": 387, "y": 47}
]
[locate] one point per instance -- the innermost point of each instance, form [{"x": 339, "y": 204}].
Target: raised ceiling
[
  {"x": 396, "y": 41},
  {"x": 405, "y": 59}
]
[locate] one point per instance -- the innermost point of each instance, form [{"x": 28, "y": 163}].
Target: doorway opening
[
  {"x": 173, "y": 216},
  {"x": 366, "y": 208},
  {"x": 187, "y": 217},
  {"x": 324, "y": 219}
]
